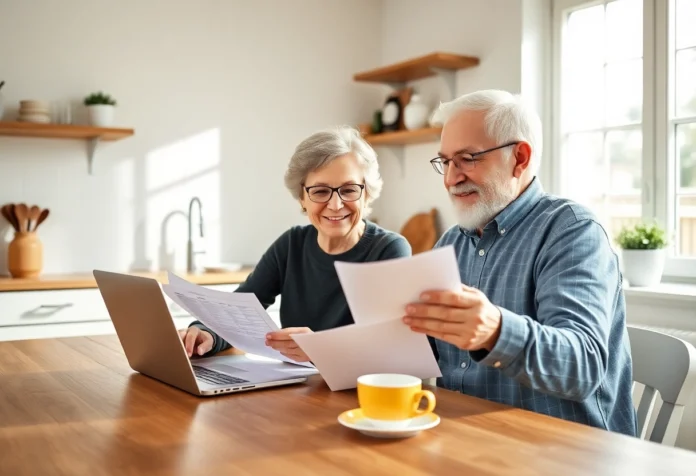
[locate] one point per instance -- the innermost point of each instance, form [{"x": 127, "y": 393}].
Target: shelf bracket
[
  {"x": 449, "y": 77},
  {"x": 401, "y": 158},
  {"x": 91, "y": 149},
  {"x": 396, "y": 85}
]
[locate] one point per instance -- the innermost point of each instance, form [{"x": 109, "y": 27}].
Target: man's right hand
[{"x": 196, "y": 340}]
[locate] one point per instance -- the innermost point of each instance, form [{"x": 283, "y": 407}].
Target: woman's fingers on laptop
[{"x": 195, "y": 338}]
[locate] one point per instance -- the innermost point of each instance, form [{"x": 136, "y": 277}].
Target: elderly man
[{"x": 539, "y": 321}]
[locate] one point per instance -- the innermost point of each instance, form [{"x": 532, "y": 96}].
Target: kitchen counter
[{"x": 86, "y": 281}]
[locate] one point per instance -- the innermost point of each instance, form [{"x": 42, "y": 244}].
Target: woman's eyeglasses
[{"x": 322, "y": 193}]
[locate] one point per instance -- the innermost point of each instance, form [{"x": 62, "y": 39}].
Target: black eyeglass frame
[
  {"x": 361, "y": 186},
  {"x": 469, "y": 158}
]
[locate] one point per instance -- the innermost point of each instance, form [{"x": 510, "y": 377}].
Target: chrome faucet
[{"x": 190, "y": 251}]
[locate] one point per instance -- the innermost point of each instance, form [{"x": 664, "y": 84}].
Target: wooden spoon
[
  {"x": 42, "y": 216},
  {"x": 8, "y": 214},
  {"x": 22, "y": 214},
  {"x": 34, "y": 213}
]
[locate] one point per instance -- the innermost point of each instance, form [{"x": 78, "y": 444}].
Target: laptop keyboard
[{"x": 215, "y": 378}]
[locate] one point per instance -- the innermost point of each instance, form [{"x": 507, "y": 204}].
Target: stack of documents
[
  {"x": 377, "y": 294},
  {"x": 239, "y": 318},
  {"x": 379, "y": 342}
]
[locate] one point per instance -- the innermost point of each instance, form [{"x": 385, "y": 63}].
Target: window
[{"x": 625, "y": 109}]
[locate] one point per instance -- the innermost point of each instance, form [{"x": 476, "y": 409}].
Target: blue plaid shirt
[{"x": 563, "y": 348}]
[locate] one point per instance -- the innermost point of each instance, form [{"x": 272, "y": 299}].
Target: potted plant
[
  {"x": 643, "y": 253},
  {"x": 100, "y": 108}
]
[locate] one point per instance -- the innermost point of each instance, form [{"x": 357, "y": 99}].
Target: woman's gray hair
[
  {"x": 324, "y": 146},
  {"x": 508, "y": 118}
]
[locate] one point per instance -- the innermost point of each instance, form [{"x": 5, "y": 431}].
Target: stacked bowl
[{"x": 34, "y": 111}]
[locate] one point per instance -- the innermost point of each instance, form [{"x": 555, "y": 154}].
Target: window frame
[{"x": 658, "y": 190}]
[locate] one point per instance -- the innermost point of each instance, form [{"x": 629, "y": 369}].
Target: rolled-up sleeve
[{"x": 563, "y": 350}]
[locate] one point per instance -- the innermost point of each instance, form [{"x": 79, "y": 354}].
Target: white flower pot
[
  {"x": 415, "y": 113},
  {"x": 643, "y": 267},
  {"x": 101, "y": 115}
]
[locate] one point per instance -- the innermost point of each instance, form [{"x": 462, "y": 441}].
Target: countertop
[{"x": 86, "y": 280}]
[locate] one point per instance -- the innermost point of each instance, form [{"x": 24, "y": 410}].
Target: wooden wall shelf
[
  {"x": 417, "y": 136},
  {"x": 66, "y": 131},
  {"x": 417, "y": 68}
]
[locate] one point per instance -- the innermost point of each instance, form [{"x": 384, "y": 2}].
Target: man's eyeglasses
[
  {"x": 464, "y": 162},
  {"x": 322, "y": 194}
]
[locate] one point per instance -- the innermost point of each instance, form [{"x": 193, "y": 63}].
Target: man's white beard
[{"x": 492, "y": 199}]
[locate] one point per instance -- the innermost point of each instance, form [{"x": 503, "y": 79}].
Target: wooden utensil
[
  {"x": 34, "y": 213},
  {"x": 8, "y": 213},
  {"x": 22, "y": 214},
  {"x": 42, "y": 216}
]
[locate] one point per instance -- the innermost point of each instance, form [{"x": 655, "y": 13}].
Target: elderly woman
[{"x": 335, "y": 176}]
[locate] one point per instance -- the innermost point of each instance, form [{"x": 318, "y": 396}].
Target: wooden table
[{"x": 73, "y": 406}]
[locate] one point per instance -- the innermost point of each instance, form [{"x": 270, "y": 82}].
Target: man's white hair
[{"x": 508, "y": 118}]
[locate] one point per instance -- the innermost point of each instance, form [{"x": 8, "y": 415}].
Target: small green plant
[
  {"x": 99, "y": 98},
  {"x": 642, "y": 236}
]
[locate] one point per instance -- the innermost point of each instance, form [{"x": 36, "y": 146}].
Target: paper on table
[
  {"x": 380, "y": 290},
  {"x": 343, "y": 354},
  {"x": 239, "y": 318}
]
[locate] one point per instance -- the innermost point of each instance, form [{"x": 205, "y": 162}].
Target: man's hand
[
  {"x": 464, "y": 318},
  {"x": 283, "y": 343},
  {"x": 196, "y": 340}
]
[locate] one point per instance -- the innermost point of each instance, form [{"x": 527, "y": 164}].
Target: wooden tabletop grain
[{"x": 73, "y": 406}]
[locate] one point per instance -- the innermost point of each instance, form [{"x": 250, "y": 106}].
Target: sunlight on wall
[
  {"x": 173, "y": 175},
  {"x": 123, "y": 174}
]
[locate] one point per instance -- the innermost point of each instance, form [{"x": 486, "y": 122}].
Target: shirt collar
[{"x": 516, "y": 210}]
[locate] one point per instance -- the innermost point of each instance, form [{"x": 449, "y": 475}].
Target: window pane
[
  {"x": 624, "y": 92},
  {"x": 686, "y": 157},
  {"x": 624, "y": 151},
  {"x": 583, "y": 105},
  {"x": 624, "y": 29},
  {"x": 583, "y": 70},
  {"x": 686, "y": 219},
  {"x": 686, "y": 18},
  {"x": 686, "y": 82},
  {"x": 584, "y": 171},
  {"x": 582, "y": 43}
]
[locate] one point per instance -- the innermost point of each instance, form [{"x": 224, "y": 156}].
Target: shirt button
[
  {"x": 497, "y": 364},
  {"x": 502, "y": 231},
  {"x": 463, "y": 365},
  {"x": 481, "y": 252}
]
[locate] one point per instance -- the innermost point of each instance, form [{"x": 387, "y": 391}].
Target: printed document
[
  {"x": 239, "y": 318},
  {"x": 380, "y": 290},
  {"x": 377, "y": 294},
  {"x": 343, "y": 354}
]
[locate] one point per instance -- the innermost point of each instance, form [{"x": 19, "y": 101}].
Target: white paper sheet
[
  {"x": 380, "y": 290},
  {"x": 343, "y": 354},
  {"x": 239, "y": 318}
]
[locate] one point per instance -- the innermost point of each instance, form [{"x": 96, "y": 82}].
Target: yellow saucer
[{"x": 355, "y": 419}]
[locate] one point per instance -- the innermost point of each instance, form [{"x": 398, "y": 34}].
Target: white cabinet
[{"x": 74, "y": 312}]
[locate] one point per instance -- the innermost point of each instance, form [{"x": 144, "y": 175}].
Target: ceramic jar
[
  {"x": 415, "y": 113},
  {"x": 25, "y": 255}
]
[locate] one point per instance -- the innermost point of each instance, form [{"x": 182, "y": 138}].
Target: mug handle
[{"x": 428, "y": 395}]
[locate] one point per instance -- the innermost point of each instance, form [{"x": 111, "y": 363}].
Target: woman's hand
[
  {"x": 283, "y": 343},
  {"x": 196, "y": 339}
]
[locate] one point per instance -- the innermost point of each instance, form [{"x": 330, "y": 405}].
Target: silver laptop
[{"x": 153, "y": 347}]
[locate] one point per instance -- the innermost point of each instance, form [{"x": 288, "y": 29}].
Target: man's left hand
[
  {"x": 464, "y": 318},
  {"x": 282, "y": 342}
]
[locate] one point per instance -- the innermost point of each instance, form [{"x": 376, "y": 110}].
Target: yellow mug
[{"x": 392, "y": 400}]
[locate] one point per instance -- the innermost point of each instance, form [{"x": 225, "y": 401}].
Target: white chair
[{"x": 664, "y": 364}]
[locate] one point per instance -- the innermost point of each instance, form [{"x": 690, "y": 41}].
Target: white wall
[
  {"x": 219, "y": 94},
  {"x": 498, "y": 33}
]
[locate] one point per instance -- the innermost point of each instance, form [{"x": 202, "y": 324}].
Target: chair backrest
[
  {"x": 421, "y": 231},
  {"x": 667, "y": 365}
]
